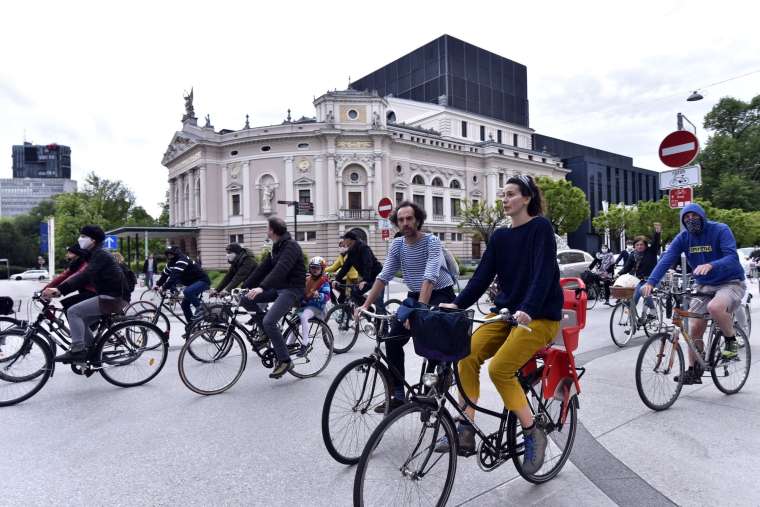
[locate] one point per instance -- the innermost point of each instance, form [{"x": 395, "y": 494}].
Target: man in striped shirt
[{"x": 420, "y": 259}]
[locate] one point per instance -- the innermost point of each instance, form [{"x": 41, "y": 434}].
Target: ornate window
[
  {"x": 455, "y": 184},
  {"x": 437, "y": 182},
  {"x": 417, "y": 180}
]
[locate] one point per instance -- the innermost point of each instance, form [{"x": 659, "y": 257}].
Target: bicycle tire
[
  {"x": 660, "y": 350},
  {"x": 556, "y": 431},
  {"x": 593, "y": 296},
  {"x": 8, "y": 323},
  {"x": 344, "y": 333},
  {"x": 365, "y": 418},
  {"x": 653, "y": 326},
  {"x": 140, "y": 349},
  {"x": 620, "y": 324},
  {"x": 139, "y": 306},
  {"x": 392, "y": 305},
  {"x": 719, "y": 370},
  {"x": 158, "y": 319},
  {"x": 322, "y": 335},
  {"x": 42, "y": 374},
  {"x": 221, "y": 352},
  {"x": 414, "y": 413}
]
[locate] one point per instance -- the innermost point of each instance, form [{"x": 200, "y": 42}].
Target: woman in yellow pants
[{"x": 524, "y": 257}]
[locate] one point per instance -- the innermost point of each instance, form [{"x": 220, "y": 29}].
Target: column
[
  {"x": 320, "y": 181},
  {"x": 429, "y": 200},
  {"x": 492, "y": 183},
  {"x": 447, "y": 206},
  {"x": 289, "y": 185},
  {"x": 191, "y": 194},
  {"x": 245, "y": 198},
  {"x": 172, "y": 211},
  {"x": 203, "y": 206},
  {"x": 332, "y": 186},
  {"x": 225, "y": 197}
]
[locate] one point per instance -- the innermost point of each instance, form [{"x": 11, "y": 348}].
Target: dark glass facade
[
  {"x": 452, "y": 72},
  {"x": 603, "y": 176},
  {"x": 41, "y": 161}
]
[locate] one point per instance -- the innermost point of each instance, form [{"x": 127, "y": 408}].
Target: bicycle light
[{"x": 429, "y": 379}]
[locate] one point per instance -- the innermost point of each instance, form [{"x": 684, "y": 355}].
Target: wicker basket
[{"x": 622, "y": 292}]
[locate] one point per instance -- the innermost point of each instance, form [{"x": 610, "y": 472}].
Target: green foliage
[
  {"x": 215, "y": 276},
  {"x": 617, "y": 218},
  {"x": 648, "y": 213},
  {"x": 482, "y": 219},
  {"x": 731, "y": 158},
  {"x": 163, "y": 218},
  {"x": 567, "y": 206}
]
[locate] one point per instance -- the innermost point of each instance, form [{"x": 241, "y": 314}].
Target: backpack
[
  {"x": 451, "y": 264},
  {"x": 130, "y": 277}
]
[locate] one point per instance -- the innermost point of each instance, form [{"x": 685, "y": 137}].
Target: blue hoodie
[{"x": 715, "y": 245}]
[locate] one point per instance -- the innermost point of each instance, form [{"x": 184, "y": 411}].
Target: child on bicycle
[
  {"x": 316, "y": 295},
  {"x": 524, "y": 257}
]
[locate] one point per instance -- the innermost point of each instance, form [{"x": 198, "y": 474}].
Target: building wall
[
  {"x": 41, "y": 161},
  {"x": 20, "y": 195}
]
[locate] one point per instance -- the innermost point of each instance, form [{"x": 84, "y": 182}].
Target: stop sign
[
  {"x": 679, "y": 148},
  {"x": 385, "y": 207}
]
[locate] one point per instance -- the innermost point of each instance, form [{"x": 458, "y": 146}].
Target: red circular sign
[
  {"x": 679, "y": 148},
  {"x": 385, "y": 207}
]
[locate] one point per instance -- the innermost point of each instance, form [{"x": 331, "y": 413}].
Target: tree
[
  {"x": 567, "y": 206},
  {"x": 483, "y": 219},
  {"x": 617, "y": 218},
  {"x": 163, "y": 218},
  {"x": 647, "y": 213},
  {"x": 111, "y": 200}
]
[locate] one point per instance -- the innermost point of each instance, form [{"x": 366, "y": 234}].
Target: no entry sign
[
  {"x": 679, "y": 148},
  {"x": 385, "y": 207},
  {"x": 680, "y": 197}
]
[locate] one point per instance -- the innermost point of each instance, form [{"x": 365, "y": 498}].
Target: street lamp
[
  {"x": 695, "y": 96},
  {"x": 295, "y": 223}
]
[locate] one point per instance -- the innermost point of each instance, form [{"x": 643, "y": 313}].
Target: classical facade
[{"x": 358, "y": 148}]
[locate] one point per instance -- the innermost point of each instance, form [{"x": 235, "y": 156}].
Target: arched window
[
  {"x": 455, "y": 184},
  {"x": 437, "y": 182},
  {"x": 391, "y": 117},
  {"x": 417, "y": 180}
]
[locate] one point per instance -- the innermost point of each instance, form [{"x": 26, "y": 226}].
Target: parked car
[
  {"x": 33, "y": 274},
  {"x": 573, "y": 262}
]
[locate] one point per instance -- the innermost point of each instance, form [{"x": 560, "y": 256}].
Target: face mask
[
  {"x": 629, "y": 248},
  {"x": 85, "y": 242},
  {"x": 604, "y": 250},
  {"x": 693, "y": 225},
  {"x": 231, "y": 257}
]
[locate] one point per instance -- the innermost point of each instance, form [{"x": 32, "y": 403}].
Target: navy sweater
[{"x": 525, "y": 260}]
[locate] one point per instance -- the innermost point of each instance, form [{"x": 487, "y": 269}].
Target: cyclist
[
  {"x": 352, "y": 277},
  {"x": 710, "y": 250},
  {"x": 524, "y": 257},
  {"x": 242, "y": 265},
  {"x": 606, "y": 262},
  {"x": 420, "y": 259},
  {"x": 623, "y": 257},
  {"x": 76, "y": 259},
  {"x": 279, "y": 279},
  {"x": 360, "y": 256},
  {"x": 640, "y": 264},
  {"x": 181, "y": 269},
  {"x": 315, "y": 297},
  {"x": 104, "y": 273}
]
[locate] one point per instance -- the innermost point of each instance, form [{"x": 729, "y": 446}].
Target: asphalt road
[{"x": 84, "y": 441}]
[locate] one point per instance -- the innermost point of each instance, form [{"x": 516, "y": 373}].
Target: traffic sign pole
[{"x": 51, "y": 247}]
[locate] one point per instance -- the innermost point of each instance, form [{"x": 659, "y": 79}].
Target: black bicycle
[
  {"x": 125, "y": 352},
  {"x": 214, "y": 356}
]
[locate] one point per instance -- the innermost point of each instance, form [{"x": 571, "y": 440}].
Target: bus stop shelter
[{"x": 133, "y": 241}]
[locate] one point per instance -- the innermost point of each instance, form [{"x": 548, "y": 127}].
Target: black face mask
[{"x": 693, "y": 225}]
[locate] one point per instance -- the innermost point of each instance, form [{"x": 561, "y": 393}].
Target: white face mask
[
  {"x": 85, "y": 242},
  {"x": 231, "y": 257}
]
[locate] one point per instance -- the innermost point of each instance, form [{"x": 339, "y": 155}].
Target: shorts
[{"x": 731, "y": 291}]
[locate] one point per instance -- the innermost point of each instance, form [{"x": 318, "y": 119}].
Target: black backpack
[{"x": 130, "y": 277}]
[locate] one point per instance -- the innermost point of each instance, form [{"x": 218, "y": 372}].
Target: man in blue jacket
[{"x": 710, "y": 250}]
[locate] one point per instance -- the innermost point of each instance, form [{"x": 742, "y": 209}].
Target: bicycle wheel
[
  {"x": 653, "y": 318},
  {"x": 730, "y": 375},
  {"x": 319, "y": 348},
  {"x": 560, "y": 435},
  {"x": 156, "y": 318},
  {"x": 392, "y": 305},
  {"x": 151, "y": 296},
  {"x": 223, "y": 361},
  {"x": 484, "y": 307},
  {"x": 26, "y": 364},
  {"x": 399, "y": 457},
  {"x": 139, "y": 306},
  {"x": 345, "y": 332},
  {"x": 621, "y": 329},
  {"x": 7, "y": 323},
  {"x": 348, "y": 414},
  {"x": 593, "y": 296},
  {"x": 660, "y": 361},
  {"x": 132, "y": 353}
]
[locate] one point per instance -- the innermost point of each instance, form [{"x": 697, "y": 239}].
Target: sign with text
[
  {"x": 689, "y": 176},
  {"x": 385, "y": 207},
  {"x": 680, "y": 197}
]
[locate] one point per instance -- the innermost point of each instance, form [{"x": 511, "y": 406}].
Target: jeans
[
  {"x": 81, "y": 316},
  {"x": 648, "y": 301},
  {"x": 149, "y": 279},
  {"x": 192, "y": 295},
  {"x": 394, "y": 348},
  {"x": 283, "y": 300}
]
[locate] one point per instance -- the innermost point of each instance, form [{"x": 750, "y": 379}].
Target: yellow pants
[{"x": 509, "y": 353}]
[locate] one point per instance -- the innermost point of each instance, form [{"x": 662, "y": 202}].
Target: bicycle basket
[
  {"x": 622, "y": 292},
  {"x": 441, "y": 334},
  {"x": 6, "y": 305}
]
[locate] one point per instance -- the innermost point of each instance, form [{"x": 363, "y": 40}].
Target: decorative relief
[{"x": 353, "y": 145}]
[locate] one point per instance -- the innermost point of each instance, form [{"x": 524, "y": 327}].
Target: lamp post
[{"x": 295, "y": 215}]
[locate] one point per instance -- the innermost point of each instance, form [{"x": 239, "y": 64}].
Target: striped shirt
[{"x": 418, "y": 262}]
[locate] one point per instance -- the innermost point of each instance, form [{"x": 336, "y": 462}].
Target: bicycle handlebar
[{"x": 504, "y": 315}]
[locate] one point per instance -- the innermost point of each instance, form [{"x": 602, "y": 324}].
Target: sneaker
[
  {"x": 393, "y": 405},
  {"x": 535, "y": 448},
  {"x": 690, "y": 377},
  {"x": 731, "y": 349},
  {"x": 71, "y": 356},
  {"x": 466, "y": 436},
  {"x": 281, "y": 368}
]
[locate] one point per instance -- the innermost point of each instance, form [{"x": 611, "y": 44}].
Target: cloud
[{"x": 13, "y": 95}]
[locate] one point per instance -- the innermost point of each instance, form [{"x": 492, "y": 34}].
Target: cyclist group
[{"x": 523, "y": 257}]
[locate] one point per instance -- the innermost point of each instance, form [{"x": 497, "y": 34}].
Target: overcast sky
[{"x": 107, "y": 79}]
